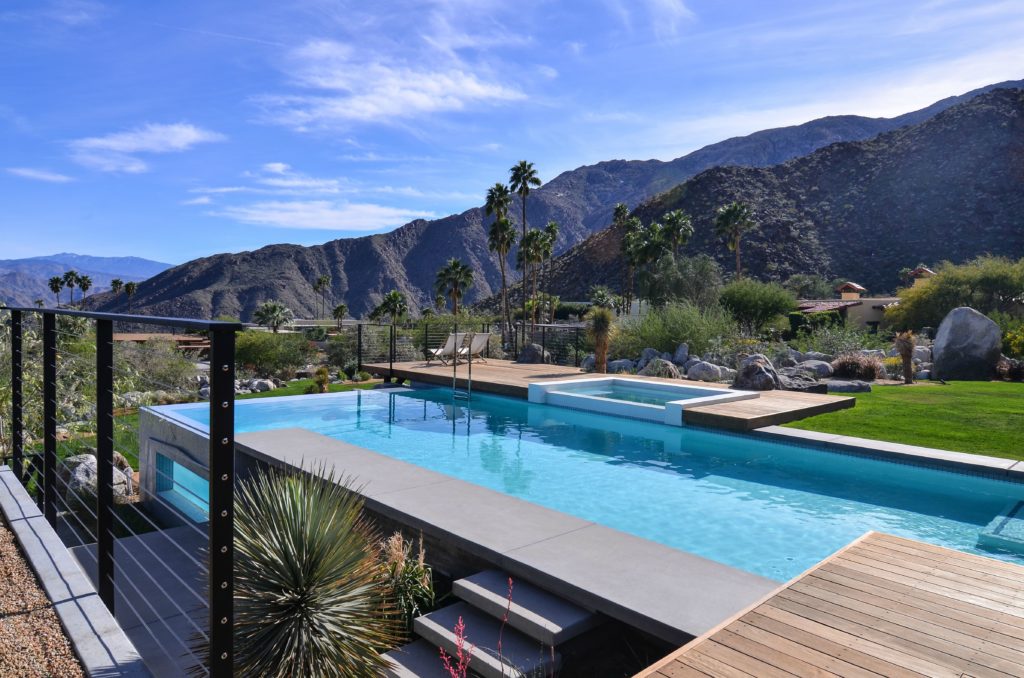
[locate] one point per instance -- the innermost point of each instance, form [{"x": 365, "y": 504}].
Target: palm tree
[
  {"x": 905, "y": 344},
  {"x": 339, "y": 313},
  {"x": 531, "y": 255},
  {"x": 677, "y": 229},
  {"x": 453, "y": 280},
  {"x": 129, "y": 291},
  {"x": 632, "y": 251},
  {"x": 70, "y": 279},
  {"x": 731, "y": 222},
  {"x": 550, "y": 240},
  {"x": 56, "y": 285},
  {"x": 393, "y": 305},
  {"x": 600, "y": 327},
  {"x": 522, "y": 178},
  {"x": 84, "y": 284},
  {"x": 272, "y": 314},
  {"x": 322, "y": 284},
  {"x": 440, "y": 303},
  {"x": 115, "y": 286},
  {"x": 500, "y": 239}
]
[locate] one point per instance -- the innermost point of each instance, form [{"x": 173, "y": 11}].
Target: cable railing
[{"x": 66, "y": 378}]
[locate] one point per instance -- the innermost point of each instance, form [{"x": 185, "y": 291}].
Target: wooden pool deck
[
  {"x": 882, "y": 606},
  {"x": 513, "y": 379}
]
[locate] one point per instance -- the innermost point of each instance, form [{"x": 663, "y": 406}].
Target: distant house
[
  {"x": 853, "y": 306},
  {"x": 921, "y": 274}
]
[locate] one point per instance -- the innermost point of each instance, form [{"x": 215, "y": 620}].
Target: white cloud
[
  {"x": 117, "y": 152},
  {"x": 547, "y": 71},
  {"x": 276, "y": 167},
  {"x": 322, "y": 215},
  {"x": 39, "y": 175},
  {"x": 201, "y": 200},
  {"x": 358, "y": 87},
  {"x": 663, "y": 16}
]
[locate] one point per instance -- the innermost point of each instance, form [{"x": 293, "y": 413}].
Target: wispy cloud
[
  {"x": 322, "y": 215},
  {"x": 118, "y": 152},
  {"x": 353, "y": 86},
  {"x": 69, "y": 13},
  {"x": 663, "y": 17},
  {"x": 200, "y": 200},
  {"x": 39, "y": 175}
]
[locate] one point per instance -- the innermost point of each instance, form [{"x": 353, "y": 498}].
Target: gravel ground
[{"x": 32, "y": 642}]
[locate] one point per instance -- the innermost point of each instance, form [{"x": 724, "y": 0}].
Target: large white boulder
[{"x": 967, "y": 346}]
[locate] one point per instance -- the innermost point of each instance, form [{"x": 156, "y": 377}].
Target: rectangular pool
[
  {"x": 662, "y": 402},
  {"x": 767, "y": 507}
]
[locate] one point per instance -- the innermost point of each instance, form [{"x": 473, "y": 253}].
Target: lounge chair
[
  {"x": 452, "y": 347},
  {"x": 477, "y": 347}
]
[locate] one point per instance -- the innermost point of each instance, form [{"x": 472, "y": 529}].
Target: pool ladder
[{"x": 468, "y": 393}]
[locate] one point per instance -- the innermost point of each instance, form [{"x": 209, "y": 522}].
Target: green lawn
[
  {"x": 967, "y": 416},
  {"x": 299, "y": 388}
]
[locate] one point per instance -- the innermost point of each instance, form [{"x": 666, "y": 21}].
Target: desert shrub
[
  {"x": 341, "y": 349},
  {"x": 315, "y": 333},
  {"x": 407, "y": 578},
  {"x": 754, "y": 304},
  {"x": 565, "y": 310},
  {"x": 809, "y": 286},
  {"x": 156, "y": 363},
  {"x": 731, "y": 350},
  {"x": 309, "y": 600},
  {"x": 350, "y": 368},
  {"x": 893, "y": 367},
  {"x": 697, "y": 280},
  {"x": 664, "y": 328},
  {"x": 1012, "y": 327},
  {"x": 835, "y": 339},
  {"x": 987, "y": 284},
  {"x": 321, "y": 379},
  {"x": 268, "y": 355},
  {"x": 362, "y": 376},
  {"x": 859, "y": 366}
]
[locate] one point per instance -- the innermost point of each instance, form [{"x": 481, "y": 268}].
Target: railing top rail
[{"x": 187, "y": 323}]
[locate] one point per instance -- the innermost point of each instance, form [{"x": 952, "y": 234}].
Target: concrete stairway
[{"x": 538, "y": 623}]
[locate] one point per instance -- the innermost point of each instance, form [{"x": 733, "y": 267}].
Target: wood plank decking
[
  {"x": 512, "y": 379},
  {"x": 882, "y": 606}
]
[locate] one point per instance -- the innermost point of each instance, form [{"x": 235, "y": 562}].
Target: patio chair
[
  {"x": 477, "y": 347},
  {"x": 450, "y": 349}
]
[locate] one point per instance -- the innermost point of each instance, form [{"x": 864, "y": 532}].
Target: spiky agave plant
[
  {"x": 905, "y": 344},
  {"x": 600, "y": 327},
  {"x": 308, "y": 597}
]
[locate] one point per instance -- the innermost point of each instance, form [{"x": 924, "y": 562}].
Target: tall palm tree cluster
[
  {"x": 71, "y": 279},
  {"x": 645, "y": 244}
]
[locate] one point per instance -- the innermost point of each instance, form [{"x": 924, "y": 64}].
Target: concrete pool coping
[
  {"x": 682, "y": 595},
  {"x": 945, "y": 460}
]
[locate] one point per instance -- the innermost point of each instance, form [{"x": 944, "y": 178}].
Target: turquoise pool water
[
  {"x": 766, "y": 507},
  {"x": 633, "y": 394}
]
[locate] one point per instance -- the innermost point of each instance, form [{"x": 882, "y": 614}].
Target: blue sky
[{"x": 174, "y": 130}]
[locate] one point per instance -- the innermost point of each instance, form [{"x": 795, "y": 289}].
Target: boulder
[
  {"x": 682, "y": 354},
  {"x": 875, "y": 352},
  {"x": 923, "y": 354},
  {"x": 728, "y": 374},
  {"x": 851, "y": 386},
  {"x": 261, "y": 385},
  {"x": 690, "y": 363},
  {"x": 801, "y": 381},
  {"x": 923, "y": 375},
  {"x": 817, "y": 368},
  {"x": 756, "y": 373},
  {"x": 660, "y": 368},
  {"x": 204, "y": 392},
  {"x": 704, "y": 371},
  {"x": 623, "y": 366},
  {"x": 786, "y": 361},
  {"x": 80, "y": 492},
  {"x": 796, "y": 355},
  {"x": 533, "y": 353},
  {"x": 646, "y": 356},
  {"x": 588, "y": 363},
  {"x": 967, "y": 346}
]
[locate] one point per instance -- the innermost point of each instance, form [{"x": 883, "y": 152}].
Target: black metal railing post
[
  {"x": 543, "y": 341},
  {"x": 426, "y": 340},
  {"x": 576, "y": 348},
  {"x": 50, "y": 418},
  {"x": 359, "y": 347},
  {"x": 392, "y": 346},
  {"x": 221, "y": 500},
  {"x": 17, "y": 408},
  {"x": 105, "y": 461}
]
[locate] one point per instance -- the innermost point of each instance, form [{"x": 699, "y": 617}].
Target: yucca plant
[
  {"x": 309, "y": 600},
  {"x": 600, "y": 327},
  {"x": 905, "y": 344}
]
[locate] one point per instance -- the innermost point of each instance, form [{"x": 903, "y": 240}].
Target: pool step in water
[
  {"x": 418, "y": 659},
  {"x": 526, "y": 655},
  {"x": 538, "y": 614}
]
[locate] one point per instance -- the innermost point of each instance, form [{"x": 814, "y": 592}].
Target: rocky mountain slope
[
  {"x": 951, "y": 187},
  {"x": 408, "y": 258},
  {"x": 22, "y": 281}
]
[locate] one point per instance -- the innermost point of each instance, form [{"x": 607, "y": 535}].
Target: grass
[
  {"x": 965, "y": 416},
  {"x": 299, "y": 388}
]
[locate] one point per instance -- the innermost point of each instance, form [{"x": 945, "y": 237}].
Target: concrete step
[
  {"x": 537, "y": 613},
  {"x": 520, "y": 654},
  {"x": 418, "y": 659}
]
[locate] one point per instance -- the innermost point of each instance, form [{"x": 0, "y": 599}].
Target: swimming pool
[{"x": 769, "y": 508}]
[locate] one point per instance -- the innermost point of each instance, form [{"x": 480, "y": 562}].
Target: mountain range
[
  {"x": 581, "y": 201},
  {"x": 950, "y": 187},
  {"x": 23, "y": 281}
]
